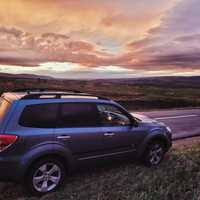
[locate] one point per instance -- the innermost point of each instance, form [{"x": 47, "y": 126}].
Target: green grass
[{"x": 176, "y": 178}]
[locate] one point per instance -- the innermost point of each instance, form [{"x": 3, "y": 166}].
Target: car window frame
[
  {"x": 59, "y": 115},
  {"x": 123, "y": 111},
  {"x": 36, "y": 104}
]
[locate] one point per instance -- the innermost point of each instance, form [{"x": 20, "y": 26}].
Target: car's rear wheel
[
  {"x": 154, "y": 153},
  {"x": 45, "y": 176}
]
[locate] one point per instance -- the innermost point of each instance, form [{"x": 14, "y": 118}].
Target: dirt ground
[{"x": 185, "y": 142}]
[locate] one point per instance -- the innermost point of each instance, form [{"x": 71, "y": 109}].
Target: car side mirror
[{"x": 134, "y": 122}]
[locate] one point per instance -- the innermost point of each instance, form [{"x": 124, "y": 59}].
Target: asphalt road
[{"x": 184, "y": 123}]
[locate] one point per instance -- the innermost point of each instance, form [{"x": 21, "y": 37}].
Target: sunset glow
[{"x": 100, "y": 39}]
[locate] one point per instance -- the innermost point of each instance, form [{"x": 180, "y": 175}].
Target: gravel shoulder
[{"x": 184, "y": 143}]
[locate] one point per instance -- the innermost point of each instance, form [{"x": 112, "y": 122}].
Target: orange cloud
[
  {"x": 119, "y": 21},
  {"x": 131, "y": 34}
]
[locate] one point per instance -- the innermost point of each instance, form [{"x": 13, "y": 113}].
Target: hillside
[
  {"x": 27, "y": 76},
  {"x": 167, "y": 81},
  {"x": 142, "y": 94}
]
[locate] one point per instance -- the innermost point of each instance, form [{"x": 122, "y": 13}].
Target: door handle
[
  {"x": 109, "y": 134},
  {"x": 64, "y": 137}
]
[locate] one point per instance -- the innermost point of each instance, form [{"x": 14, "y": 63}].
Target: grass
[{"x": 176, "y": 178}]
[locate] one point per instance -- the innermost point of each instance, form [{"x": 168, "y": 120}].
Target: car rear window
[
  {"x": 78, "y": 115},
  {"x": 39, "y": 116},
  {"x": 4, "y": 106}
]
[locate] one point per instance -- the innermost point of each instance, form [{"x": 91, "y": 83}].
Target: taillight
[{"x": 6, "y": 140}]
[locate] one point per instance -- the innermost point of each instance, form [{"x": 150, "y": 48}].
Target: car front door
[
  {"x": 78, "y": 129},
  {"x": 120, "y": 135}
]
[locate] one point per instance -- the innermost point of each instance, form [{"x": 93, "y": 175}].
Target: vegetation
[
  {"x": 176, "y": 178},
  {"x": 136, "y": 94}
]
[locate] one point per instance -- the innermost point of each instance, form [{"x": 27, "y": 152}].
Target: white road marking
[{"x": 176, "y": 117}]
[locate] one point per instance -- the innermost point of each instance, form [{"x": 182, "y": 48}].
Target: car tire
[
  {"x": 154, "y": 154},
  {"x": 45, "y": 176}
]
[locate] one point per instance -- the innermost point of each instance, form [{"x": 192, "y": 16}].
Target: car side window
[
  {"x": 39, "y": 116},
  {"x": 112, "y": 116},
  {"x": 78, "y": 115}
]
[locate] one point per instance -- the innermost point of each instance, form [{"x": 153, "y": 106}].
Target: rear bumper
[{"x": 10, "y": 170}]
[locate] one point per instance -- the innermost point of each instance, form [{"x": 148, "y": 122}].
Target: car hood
[{"x": 143, "y": 118}]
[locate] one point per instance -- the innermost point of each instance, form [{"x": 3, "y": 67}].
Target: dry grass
[
  {"x": 135, "y": 95},
  {"x": 176, "y": 178}
]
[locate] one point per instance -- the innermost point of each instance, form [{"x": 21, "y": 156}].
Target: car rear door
[
  {"x": 34, "y": 122},
  {"x": 78, "y": 128}
]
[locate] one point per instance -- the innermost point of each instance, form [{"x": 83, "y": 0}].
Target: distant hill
[
  {"x": 134, "y": 93},
  {"x": 166, "y": 81},
  {"x": 29, "y": 76}
]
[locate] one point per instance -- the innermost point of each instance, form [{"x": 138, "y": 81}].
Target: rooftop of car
[{"x": 21, "y": 94}]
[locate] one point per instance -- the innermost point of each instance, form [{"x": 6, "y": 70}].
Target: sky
[{"x": 80, "y": 39}]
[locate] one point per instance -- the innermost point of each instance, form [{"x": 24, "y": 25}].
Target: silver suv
[{"x": 44, "y": 134}]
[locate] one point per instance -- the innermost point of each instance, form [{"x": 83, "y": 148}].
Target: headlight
[{"x": 168, "y": 129}]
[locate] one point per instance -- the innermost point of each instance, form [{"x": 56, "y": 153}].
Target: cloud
[
  {"x": 28, "y": 49},
  {"x": 172, "y": 44},
  {"x": 188, "y": 60},
  {"x": 127, "y": 19},
  {"x": 23, "y": 48},
  {"x": 151, "y": 35},
  {"x": 189, "y": 38}
]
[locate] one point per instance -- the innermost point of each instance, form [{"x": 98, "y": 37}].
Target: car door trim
[
  {"x": 109, "y": 134},
  {"x": 64, "y": 137},
  {"x": 105, "y": 155}
]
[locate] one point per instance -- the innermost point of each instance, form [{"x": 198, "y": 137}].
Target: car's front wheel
[
  {"x": 154, "y": 153},
  {"x": 45, "y": 176}
]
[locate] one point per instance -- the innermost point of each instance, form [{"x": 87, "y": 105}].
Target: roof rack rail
[
  {"x": 59, "y": 95},
  {"x": 29, "y": 90}
]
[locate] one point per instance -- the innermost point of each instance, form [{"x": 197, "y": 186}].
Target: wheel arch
[
  {"x": 151, "y": 139},
  {"x": 54, "y": 151}
]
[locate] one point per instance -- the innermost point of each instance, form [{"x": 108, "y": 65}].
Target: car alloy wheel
[
  {"x": 47, "y": 177},
  {"x": 154, "y": 153}
]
